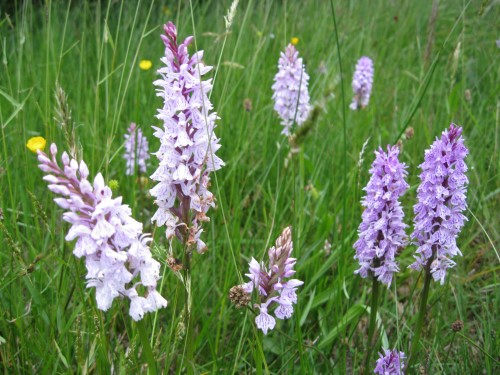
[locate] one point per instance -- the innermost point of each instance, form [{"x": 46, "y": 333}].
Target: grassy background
[{"x": 429, "y": 71}]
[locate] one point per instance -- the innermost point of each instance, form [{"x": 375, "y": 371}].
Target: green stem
[
  {"x": 373, "y": 323},
  {"x": 189, "y": 345},
  {"x": 449, "y": 348},
  {"x": 421, "y": 313},
  {"x": 146, "y": 347},
  {"x": 258, "y": 359},
  {"x": 478, "y": 347},
  {"x": 258, "y": 353}
]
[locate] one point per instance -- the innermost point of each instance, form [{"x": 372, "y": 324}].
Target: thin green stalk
[
  {"x": 421, "y": 313},
  {"x": 258, "y": 353},
  {"x": 189, "y": 343},
  {"x": 449, "y": 348},
  {"x": 258, "y": 362},
  {"x": 373, "y": 322},
  {"x": 155, "y": 319},
  {"x": 342, "y": 261},
  {"x": 478, "y": 347},
  {"x": 146, "y": 347}
]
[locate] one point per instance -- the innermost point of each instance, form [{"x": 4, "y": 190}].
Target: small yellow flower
[
  {"x": 36, "y": 143},
  {"x": 145, "y": 64},
  {"x": 295, "y": 40},
  {"x": 114, "y": 184}
]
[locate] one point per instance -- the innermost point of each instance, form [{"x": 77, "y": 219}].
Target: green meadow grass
[{"x": 429, "y": 71}]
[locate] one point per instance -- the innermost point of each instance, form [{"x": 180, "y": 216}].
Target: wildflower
[
  {"x": 441, "y": 201},
  {"x": 295, "y": 41},
  {"x": 188, "y": 143},
  {"x": 264, "y": 321},
  {"x": 362, "y": 83},
  {"x": 114, "y": 185},
  {"x": 36, "y": 143},
  {"x": 116, "y": 252},
  {"x": 238, "y": 296},
  {"x": 291, "y": 97},
  {"x": 271, "y": 284},
  {"x": 390, "y": 363},
  {"x": 145, "y": 64},
  {"x": 457, "y": 325},
  {"x": 382, "y": 231},
  {"x": 136, "y": 152}
]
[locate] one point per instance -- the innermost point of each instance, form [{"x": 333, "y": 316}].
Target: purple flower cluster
[
  {"x": 390, "y": 363},
  {"x": 136, "y": 152},
  {"x": 116, "y": 251},
  {"x": 362, "y": 83},
  {"x": 382, "y": 231},
  {"x": 271, "y": 285},
  {"x": 441, "y": 201},
  {"x": 188, "y": 143},
  {"x": 291, "y": 96}
]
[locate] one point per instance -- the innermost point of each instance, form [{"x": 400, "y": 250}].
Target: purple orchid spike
[
  {"x": 116, "y": 251},
  {"x": 291, "y": 97},
  {"x": 382, "y": 231},
  {"x": 441, "y": 201},
  {"x": 362, "y": 83},
  {"x": 136, "y": 150},
  {"x": 273, "y": 284},
  {"x": 390, "y": 363},
  {"x": 188, "y": 143}
]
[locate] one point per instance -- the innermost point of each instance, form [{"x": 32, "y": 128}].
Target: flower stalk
[
  {"x": 146, "y": 348},
  {"x": 422, "y": 310},
  {"x": 373, "y": 321},
  {"x": 186, "y": 158}
]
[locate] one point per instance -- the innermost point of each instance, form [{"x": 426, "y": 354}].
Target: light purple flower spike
[
  {"x": 136, "y": 153},
  {"x": 188, "y": 143},
  {"x": 390, "y": 363},
  {"x": 382, "y": 231},
  {"x": 362, "y": 83},
  {"x": 271, "y": 284},
  {"x": 291, "y": 96},
  {"x": 441, "y": 201},
  {"x": 116, "y": 251}
]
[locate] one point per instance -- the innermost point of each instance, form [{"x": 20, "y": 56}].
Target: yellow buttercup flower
[
  {"x": 145, "y": 64},
  {"x": 295, "y": 41},
  {"x": 36, "y": 143}
]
